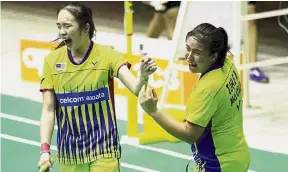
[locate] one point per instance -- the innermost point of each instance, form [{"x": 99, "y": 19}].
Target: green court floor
[{"x": 20, "y": 152}]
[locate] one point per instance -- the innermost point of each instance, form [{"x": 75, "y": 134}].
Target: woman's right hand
[{"x": 45, "y": 159}]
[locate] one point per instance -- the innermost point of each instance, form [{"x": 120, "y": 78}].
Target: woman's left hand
[
  {"x": 147, "y": 66},
  {"x": 148, "y": 99}
]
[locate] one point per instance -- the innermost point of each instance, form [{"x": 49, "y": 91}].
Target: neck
[
  {"x": 81, "y": 51},
  {"x": 213, "y": 67}
]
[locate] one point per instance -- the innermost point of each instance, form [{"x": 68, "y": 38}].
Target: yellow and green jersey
[
  {"x": 85, "y": 111},
  {"x": 216, "y": 104}
]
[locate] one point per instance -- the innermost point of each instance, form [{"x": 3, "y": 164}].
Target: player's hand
[
  {"x": 45, "y": 159},
  {"x": 148, "y": 99},
  {"x": 147, "y": 66}
]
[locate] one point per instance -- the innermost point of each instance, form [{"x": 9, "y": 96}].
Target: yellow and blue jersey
[
  {"x": 215, "y": 103},
  {"x": 85, "y": 112}
]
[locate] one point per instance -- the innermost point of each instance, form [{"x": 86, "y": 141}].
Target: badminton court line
[
  {"x": 160, "y": 150},
  {"x": 33, "y": 143}
]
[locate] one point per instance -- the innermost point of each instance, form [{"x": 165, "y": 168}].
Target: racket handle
[{"x": 45, "y": 168}]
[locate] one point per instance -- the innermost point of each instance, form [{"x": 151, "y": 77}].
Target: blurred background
[{"x": 27, "y": 29}]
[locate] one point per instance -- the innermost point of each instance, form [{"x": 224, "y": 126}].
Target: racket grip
[{"x": 45, "y": 168}]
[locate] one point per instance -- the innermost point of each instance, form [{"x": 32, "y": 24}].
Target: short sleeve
[
  {"x": 46, "y": 80},
  {"x": 117, "y": 61},
  {"x": 201, "y": 107}
]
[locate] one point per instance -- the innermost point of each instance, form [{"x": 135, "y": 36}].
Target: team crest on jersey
[{"x": 60, "y": 66}]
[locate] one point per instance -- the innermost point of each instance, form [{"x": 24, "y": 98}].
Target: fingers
[
  {"x": 154, "y": 94},
  {"x": 146, "y": 59},
  {"x": 44, "y": 166},
  {"x": 44, "y": 161},
  {"x": 148, "y": 93},
  {"x": 150, "y": 66},
  {"x": 153, "y": 68},
  {"x": 150, "y": 62}
]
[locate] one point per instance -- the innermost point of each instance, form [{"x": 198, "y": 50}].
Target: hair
[
  {"x": 83, "y": 15},
  {"x": 215, "y": 39}
]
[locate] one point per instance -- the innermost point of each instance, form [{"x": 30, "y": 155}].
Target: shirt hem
[{"x": 88, "y": 160}]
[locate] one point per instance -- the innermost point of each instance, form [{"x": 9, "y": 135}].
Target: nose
[
  {"x": 189, "y": 57},
  {"x": 62, "y": 32}
]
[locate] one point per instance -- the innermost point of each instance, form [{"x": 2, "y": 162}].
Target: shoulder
[
  {"x": 103, "y": 48},
  {"x": 104, "y": 51},
  {"x": 56, "y": 54},
  {"x": 215, "y": 80}
]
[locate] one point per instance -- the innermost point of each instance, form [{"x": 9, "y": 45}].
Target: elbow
[
  {"x": 191, "y": 137},
  {"x": 190, "y": 141},
  {"x": 136, "y": 93}
]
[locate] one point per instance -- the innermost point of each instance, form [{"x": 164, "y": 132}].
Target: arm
[
  {"x": 130, "y": 81},
  {"x": 47, "y": 117},
  {"x": 147, "y": 67},
  {"x": 187, "y": 131}
]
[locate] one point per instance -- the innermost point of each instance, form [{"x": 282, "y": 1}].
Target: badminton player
[
  {"x": 214, "y": 121},
  {"x": 77, "y": 88}
]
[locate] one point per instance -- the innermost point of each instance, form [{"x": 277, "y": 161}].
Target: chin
[{"x": 193, "y": 70}]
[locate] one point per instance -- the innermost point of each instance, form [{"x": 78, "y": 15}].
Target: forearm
[
  {"x": 172, "y": 126},
  {"x": 47, "y": 126},
  {"x": 140, "y": 82}
]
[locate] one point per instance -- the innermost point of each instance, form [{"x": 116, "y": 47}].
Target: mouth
[
  {"x": 192, "y": 66},
  {"x": 68, "y": 42}
]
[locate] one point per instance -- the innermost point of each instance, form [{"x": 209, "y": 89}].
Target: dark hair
[
  {"x": 83, "y": 15},
  {"x": 215, "y": 39}
]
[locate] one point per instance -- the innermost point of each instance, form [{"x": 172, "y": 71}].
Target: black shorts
[{"x": 169, "y": 5}]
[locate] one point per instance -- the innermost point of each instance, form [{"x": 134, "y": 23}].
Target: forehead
[
  {"x": 193, "y": 43},
  {"x": 65, "y": 16}
]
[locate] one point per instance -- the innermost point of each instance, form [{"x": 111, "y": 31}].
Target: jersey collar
[
  {"x": 85, "y": 57},
  {"x": 213, "y": 67}
]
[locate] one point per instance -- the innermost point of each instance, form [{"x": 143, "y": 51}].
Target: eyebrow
[
  {"x": 63, "y": 23},
  {"x": 193, "y": 48}
]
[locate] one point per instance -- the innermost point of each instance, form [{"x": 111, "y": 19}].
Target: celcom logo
[
  {"x": 32, "y": 58},
  {"x": 79, "y": 98}
]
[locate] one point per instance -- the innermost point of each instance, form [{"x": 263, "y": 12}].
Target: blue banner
[{"x": 79, "y": 98}]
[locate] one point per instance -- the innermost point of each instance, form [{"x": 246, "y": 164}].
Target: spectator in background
[
  {"x": 256, "y": 74},
  {"x": 165, "y": 16}
]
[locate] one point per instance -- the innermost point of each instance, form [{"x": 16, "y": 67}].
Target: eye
[{"x": 67, "y": 26}]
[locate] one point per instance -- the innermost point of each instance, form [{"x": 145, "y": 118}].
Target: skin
[
  {"x": 199, "y": 62},
  {"x": 68, "y": 28},
  {"x": 198, "y": 56}
]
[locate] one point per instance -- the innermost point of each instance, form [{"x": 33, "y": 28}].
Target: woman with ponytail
[
  {"x": 214, "y": 121},
  {"x": 78, "y": 92}
]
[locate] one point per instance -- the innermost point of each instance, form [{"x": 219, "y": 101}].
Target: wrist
[
  {"x": 144, "y": 78},
  {"x": 153, "y": 113},
  {"x": 45, "y": 148}
]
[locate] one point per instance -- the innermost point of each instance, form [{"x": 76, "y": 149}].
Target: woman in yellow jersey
[
  {"x": 214, "y": 121},
  {"x": 77, "y": 88}
]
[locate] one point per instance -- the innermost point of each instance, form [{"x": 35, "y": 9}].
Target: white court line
[
  {"x": 160, "y": 150},
  {"x": 126, "y": 141},
  {"x": 163, "y": 151},
  {"x": 21, "y": 119},
  {"x": 33, "y": 143}
]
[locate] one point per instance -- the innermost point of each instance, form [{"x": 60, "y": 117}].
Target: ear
[
  {"x": 214, "y": 57},
  {"x": 87, "y": 27}
]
